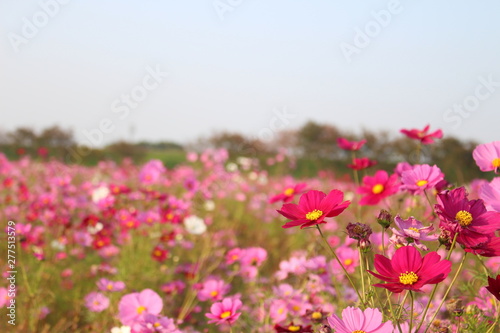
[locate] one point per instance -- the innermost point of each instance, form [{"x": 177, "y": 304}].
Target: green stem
[
  {"x": 436, "y": 285},
  {"x": 447, "y": 292},
  {"x": 383, "y": 244},
  {"x": 362, "y": 272},
  {"x": 411, "y": 310},
  {"x": 490, "y": 330},
  {"x": 340, "y": 263}
]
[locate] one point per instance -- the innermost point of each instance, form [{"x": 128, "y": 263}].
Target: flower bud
[{"x": 384, "y": 218}]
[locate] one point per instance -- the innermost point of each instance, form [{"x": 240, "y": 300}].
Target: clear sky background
[{"x": 234, "y": 67}]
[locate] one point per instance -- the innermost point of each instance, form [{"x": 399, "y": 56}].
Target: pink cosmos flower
[
  {"x": 378, "y": 187},
  {"x": 134, "y": 306},
  {"x": 156, "y": 324},
  {"x": 487, "y": 156},
  {"x": 490, "y": 193},
  {"x": 254, "y": 256},
  {"x": 468, "y": 218},
  {"x": 151, "y": 172},
  {"x": 278, "y": 310},
  {"x": 350, "y": 145},
  {"x": 225, "y": 312},
  {"x": 402, "y": 167},
  {"x": 356, "y": 320},
  {"x": 422, "y": 135},
  {"x": 361, "y": 163},
  {"x": 96, "y": 302},
  {"x": 408, "y": 270},
  {"x": 313, "y": 208},
  {"x": 421, "y": 177},
  {"x": 289, "y": 193},
  {"x": 4, "y": 297},
  {"x": 213, "y": 289},
  {"x": 411, "y": 232},
  {"x": 108, "y": 285}
]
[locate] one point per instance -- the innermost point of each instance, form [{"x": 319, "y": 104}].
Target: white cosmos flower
[
  {"x": 209, "y": 205},
  {"x": 100, "y": 193},
  {"x": 56, "y": 244},
  {"x": 231, "y": 167},
  {"x": 195, "y": 225},
  {"x": 95, "y": 229},
  {"x": 123, "y": 329}
]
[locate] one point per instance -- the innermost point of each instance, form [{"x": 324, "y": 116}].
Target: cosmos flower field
[{"x": 218, "y": 245}]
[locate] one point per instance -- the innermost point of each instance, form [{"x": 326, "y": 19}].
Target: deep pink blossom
[
  {"x": 313, "y": 208},
  {"x": 361, "y": 163},
  {"x": 350, "y": 145},
  {"x": 408, "y": 270},
  {"x": 289, "y": 193},
  {"x": 422, "y": 135},
  {"x": 377, "y": 187},
  {"x": 467, "y": 218}
]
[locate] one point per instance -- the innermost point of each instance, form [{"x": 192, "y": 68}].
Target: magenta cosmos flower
[
  {"x": 313, "y": 208},
  {"x": 289, "y": 193},
  {"x": 356, "y": 320},
  {"x": 494, "y": 286},
  {"x": 487, "y": 156},
  {"x": 225, "y": 312},
  {"x": 378, "y": 187},
  {"x": 350, "y": 145},
  {"x": 407, "y": 270},
  {"x": 468, "y": 218},
  {"x": 421, "y": 177},
  {"x": 422, "y": 135},
  {"x": 133, "y": 307},
  {"x": 361, "y": 163}
]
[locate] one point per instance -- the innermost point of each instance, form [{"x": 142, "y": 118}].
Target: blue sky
[{"x": 372, "y": 64}]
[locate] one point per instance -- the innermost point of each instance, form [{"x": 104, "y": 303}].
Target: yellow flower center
[
  {"x": 156, "y": 324},
  {"x": 358, "y": 331},
  {"x": 496, "y": 163},
  {"x": 413, "y": 229},
  {"x": 289, "y": 191},
  {"x": 464, "y": 218},
  {"x": 158, "y": 253},
  {"x": 224, "y": 315},
  {"x": 408, "y": 278},
  {"x": 314, "y": 215},
  {"x": 109, "y": 286},
  {"x": 292, "y": 328},
  {"x": 316, "y": 315},
  {"x": 141, "y": 309},
  {"x": 348, "y": 262},
  {"x": 214, "y": 293},
  {"x": 421, "y": 182},
  {"x": 296, "y": 308},
  {"x": 377, "y": 189}
]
